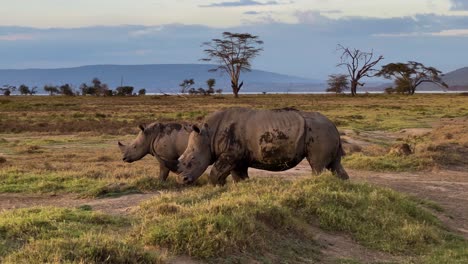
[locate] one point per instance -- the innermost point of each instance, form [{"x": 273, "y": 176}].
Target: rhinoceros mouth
[
  {"x": 127, "y": 160},
  {"x": 185, "y": 178}
]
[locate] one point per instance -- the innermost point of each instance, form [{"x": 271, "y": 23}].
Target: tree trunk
[
  {"x": 354, "y": 85},
  {"x": 235, "y": 88},
  {"x": 236, "y": 92}
]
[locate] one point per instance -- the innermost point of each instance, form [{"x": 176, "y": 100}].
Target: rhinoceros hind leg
[
  {"x": 163, "y": 172},
  {"x": 336, "y": 168},
  {"x": 221, "y": 169},
  {"x": 240, "y": 173},
  {"x": 316, "y": 165}
]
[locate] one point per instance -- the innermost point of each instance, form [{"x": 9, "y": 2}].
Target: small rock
[{"x": 401, "y": 149}]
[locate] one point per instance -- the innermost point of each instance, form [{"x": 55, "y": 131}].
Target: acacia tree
[
  {"x": 186, "y": 85},
  {"x": 7, "y": 89},
  {"x": 210, "y": 83},
  {"x": 51, "y": 89},
  {"x": 359, "y": 65},
  {"x": 24, "y": 89},
  {"x": 408, "y": 76},
  {"x": 233, "y": 52},
  {"x": 337, "y": 83}
]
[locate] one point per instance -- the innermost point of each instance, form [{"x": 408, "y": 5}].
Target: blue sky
[{"x": 300, "y": 35}]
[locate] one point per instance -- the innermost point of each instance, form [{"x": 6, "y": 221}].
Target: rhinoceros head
[
  {"x": 139, "y": 148},
  {"x": 197, "y": 155}
]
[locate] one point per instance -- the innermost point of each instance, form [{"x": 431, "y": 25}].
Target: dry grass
[
  {"x": 117, "y": 115},
  {"x": 447, "y": 145}
]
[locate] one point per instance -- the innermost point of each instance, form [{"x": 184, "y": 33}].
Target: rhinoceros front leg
[
  {"x": 163, "y": 172},
  {"x": 240, "y": 173},
  {"x": 221, "y": 169}
]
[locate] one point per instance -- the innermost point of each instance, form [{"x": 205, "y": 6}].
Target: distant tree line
[
  {"x": 186, "y": 86},
  {"x": 96, "y": 88}
]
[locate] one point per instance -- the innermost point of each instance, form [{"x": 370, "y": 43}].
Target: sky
[{"x": 300, "y": 36}]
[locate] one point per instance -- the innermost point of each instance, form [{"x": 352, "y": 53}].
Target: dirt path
[{"x": 449, "y": 189}]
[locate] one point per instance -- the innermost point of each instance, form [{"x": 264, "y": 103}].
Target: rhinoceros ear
[
  {"x": 142, "y": 127},
  {"x": 196, "y": 129}
]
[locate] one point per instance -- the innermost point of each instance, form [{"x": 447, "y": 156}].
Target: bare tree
[
  {"x": 359, "y": 65},
  {"x": 233, "y": 52},
  {"x": 410, "y": 75}
]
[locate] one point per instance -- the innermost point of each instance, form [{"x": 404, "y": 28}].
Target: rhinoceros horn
[{"x": 121, "y": 146}]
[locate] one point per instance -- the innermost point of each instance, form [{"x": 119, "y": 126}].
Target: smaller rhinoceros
[{"x": 166, "y": 142}]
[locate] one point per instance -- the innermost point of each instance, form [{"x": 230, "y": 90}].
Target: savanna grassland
[{"x": 67, "y": 197}]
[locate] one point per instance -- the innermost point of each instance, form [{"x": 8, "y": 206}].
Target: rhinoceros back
[{"x": 269, "y": 139}]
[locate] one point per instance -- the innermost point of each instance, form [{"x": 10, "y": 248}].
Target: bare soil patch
[{"x": 116, "y": 206}]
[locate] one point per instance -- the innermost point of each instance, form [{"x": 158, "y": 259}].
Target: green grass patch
[
  {"x": 53, "y": 235},
  {"x": 387, "y": 163},
  {"x": 251, "y": 217},
  {"x": 454, "y": 252},
  {"x": 47, "y": 182}
]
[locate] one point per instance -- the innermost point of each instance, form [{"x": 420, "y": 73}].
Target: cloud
[
  {"x": 16, "y": 37},
  {"x": 242, "y": 3},
  {"x": 443, "y": 33},
  {"x": 146, "y": 31},
  {"x": 452, "y": 33},
  {"x": 459, "y": 5},
  {"x": 305, "y": 48},
  {"x": 252, "y": 13}
]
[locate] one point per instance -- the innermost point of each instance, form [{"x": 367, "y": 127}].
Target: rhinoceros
[
  {"x": 275, "y": 140},
  {"x": 166, "y": 142}
]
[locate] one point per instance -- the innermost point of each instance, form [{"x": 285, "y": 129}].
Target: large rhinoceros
[
  {"x": 166, "y": 142},
  {"x": 275, "y": 140}
]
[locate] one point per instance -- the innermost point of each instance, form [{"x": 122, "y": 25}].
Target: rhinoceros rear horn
[{"x": 142, "y": 127}]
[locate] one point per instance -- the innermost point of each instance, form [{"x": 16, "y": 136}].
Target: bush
[{"x": 124, "y": 90}]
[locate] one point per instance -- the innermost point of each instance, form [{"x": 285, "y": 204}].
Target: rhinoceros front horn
[{"x": 121, "y": 146}]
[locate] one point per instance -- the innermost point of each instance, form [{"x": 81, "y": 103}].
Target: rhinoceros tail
[{"x": 341, "y": 150}]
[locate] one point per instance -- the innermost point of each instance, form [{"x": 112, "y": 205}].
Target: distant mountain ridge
[
  {"x": 457, "y": 80},
  {"x": 157, "y": 77}
]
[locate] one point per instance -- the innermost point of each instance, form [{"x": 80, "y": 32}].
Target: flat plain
[{"x": 66, "y": 196}]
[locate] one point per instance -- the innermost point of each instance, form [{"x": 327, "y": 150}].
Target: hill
[
  {"x": 457, "y": 81},
  {"x": 157, "y": 77}
]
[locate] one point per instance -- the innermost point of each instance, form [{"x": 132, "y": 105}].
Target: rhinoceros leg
[
  {"x": 338, "y": 169},
  {"x": 316, "y": 164},
  {"x": 240, "y": 173},
  {"x": 221, "y": 169},
  {"x": 163, "y": 172}
]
